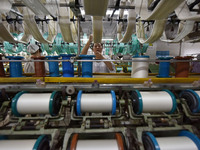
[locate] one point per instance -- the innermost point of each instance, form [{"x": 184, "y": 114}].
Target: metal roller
[
  {"x": 96, "y": 103},
  {"x": 184, "y": 141},
  {"x": 42, "y": 143},
  {"x": 36, "y": 103},
  {"x": 97, "y": 144},
  {"x": 157, "y": 101},
  {"x": 192, "y": 98},
  {"x": 70, "y": 90}
]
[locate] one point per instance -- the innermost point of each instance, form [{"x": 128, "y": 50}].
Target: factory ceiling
[{"x": 170, "y": 21}]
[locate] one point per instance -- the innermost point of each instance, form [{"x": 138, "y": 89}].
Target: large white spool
[
  {"x": 41, "y": 143},
  {"x": 140, "y": 69},
  {"x": 96, "y": 102},
  {"x": 97, "y": 144},
  {"x": 17, "y": 144},
  {"x": 35, "y": 103},
  {"x": 184, "y": 141},
  {"x": 198, "y": 92},
  {"x": 32, "y": 103},
  {"x": 154, "y": 101},
  {"x": 176, "y": 143},
  {"x": 192, "y": 98}
]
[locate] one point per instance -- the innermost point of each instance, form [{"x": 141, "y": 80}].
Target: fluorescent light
[
  {"x": 102, "y": 39},
  {"x": 82, "y": 12},
  {"x": 107, "y": 39},
  {"x": 108, "y": 12}
]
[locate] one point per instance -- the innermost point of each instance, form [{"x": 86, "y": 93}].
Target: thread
[
  {"x": 96, "y": 103},
  {"x": 36, "y": 103},
  {"x": 156, "y": 101},
  {"x": 140, "y": 69}
]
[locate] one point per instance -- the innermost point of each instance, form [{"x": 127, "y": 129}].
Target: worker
[
  {"x": 98, "y": 67},
  {"x": 34, "y": 50}
]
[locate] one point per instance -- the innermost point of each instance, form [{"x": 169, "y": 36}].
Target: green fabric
[
  {"x": 14, "y": 49},
  {"x": 73, "y": 48},
  {"x": 60, "y": 47},
  {"x": 107, "y": 47},
  {"x": 20, "y": 48},
  {"x": 20, "y": 36},
  {"x": 1, "y": 51},
  {"x": 132, "y": 48},
  {"x": 45, "y": 47},
  {"x": 9, "y": 48}
]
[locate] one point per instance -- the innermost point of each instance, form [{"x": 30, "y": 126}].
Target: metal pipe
[
  {"x": 100, "y": 60},
  {"x": 16, "y": 12},
  {"x": 180, "y": 49},
  {"x": 79, "y": 37},
  {"x": 67, "y": 5},
  {"x": 79, "y": 47},
  {"x": 116, "y": 7}
]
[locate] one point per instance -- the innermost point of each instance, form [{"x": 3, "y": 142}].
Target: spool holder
[
  {"x": 149, "y": 119},
  {"x": 74, "y": 116},
  {"x": 53, "y": 134},
  {"x": 161, "y": 131},
  {"x": 187, "y": 111},
  {"x": 42, "y": 121},
  {"x": 71, "y": 131},
  {"x": 148, "y": 83},
  {"x": 87, "y": 119},
  {"x": 4, "y": 109}
]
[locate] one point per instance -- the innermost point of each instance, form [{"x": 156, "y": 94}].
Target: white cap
[{"x": 32, "y": 48}]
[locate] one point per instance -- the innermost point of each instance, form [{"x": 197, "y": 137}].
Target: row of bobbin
[
  {"x": 140, "y": 67},
  {"x": 185, "y": 140},
  {"x": 15, "y": 68},
  {"x": 163, "y": 101},
  {"x": 142, "y": 102}
]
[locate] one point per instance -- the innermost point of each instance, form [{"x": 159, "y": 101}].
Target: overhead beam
[{"x": 68, "y": 5}]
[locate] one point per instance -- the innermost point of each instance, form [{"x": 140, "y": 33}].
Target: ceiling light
[
  {"x": 102, "y": 39},
  {"x": 82, "y": 12},
  {"x": 108, "y": 12}
]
